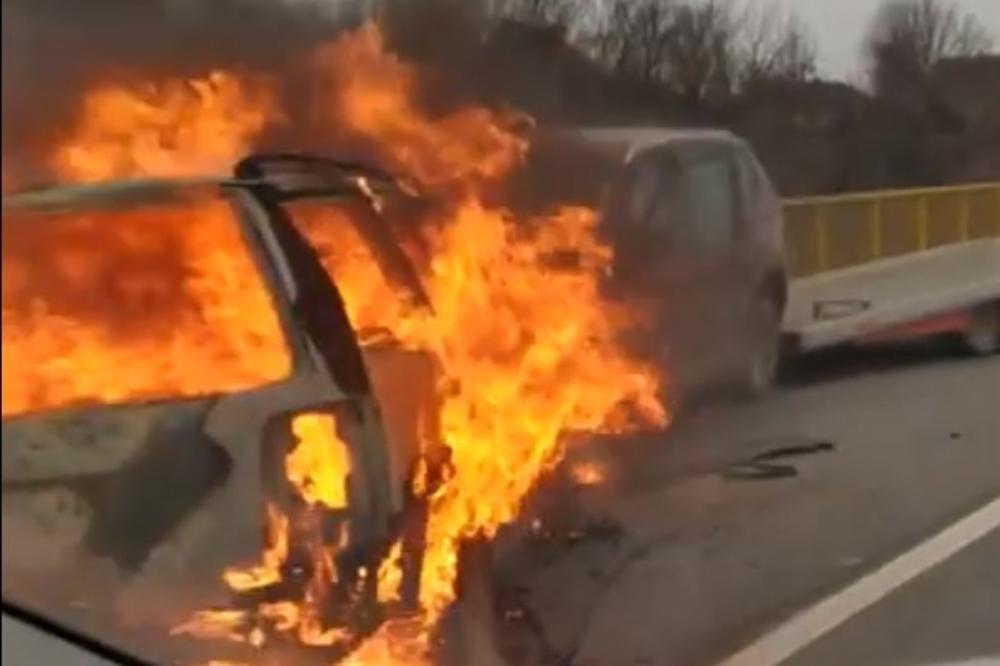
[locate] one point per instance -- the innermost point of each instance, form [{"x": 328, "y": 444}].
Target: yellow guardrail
[{"x": 831, "y": 232}]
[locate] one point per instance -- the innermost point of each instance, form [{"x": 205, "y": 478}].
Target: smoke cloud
[{"x": 53, "y": 50}]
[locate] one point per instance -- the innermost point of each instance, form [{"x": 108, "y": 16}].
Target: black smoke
[{"x": 53, "y": 50}]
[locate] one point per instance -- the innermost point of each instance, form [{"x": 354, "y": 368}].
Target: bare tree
[
  {"x": 773, "y": 47},
  {"x": 909, "y": 37},
  {"x": 609, "y": 36},
  {"x": 700, "y": 51},
  {"x": 543, "y": 12},
  {"x": 687, "y": 47},
  {"x": 651, "y": 29},
  {"x": 632, "y": 37},
  {"x": 456, "y": 24}
]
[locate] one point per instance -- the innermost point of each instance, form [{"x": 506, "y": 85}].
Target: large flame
[
  {"x": 115, "y": 306},
  {"x": 530, "y": 349},
  {"x": 376, "y": 94},
  {"x": 319, "y": 463},
  {"x": 177, "y": 128},
  {"x": 525, "y": 342}
]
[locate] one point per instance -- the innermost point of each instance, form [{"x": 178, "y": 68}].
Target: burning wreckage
[
  {"x": 322, "y": 457},
  {"x": 346, "y": 406}
]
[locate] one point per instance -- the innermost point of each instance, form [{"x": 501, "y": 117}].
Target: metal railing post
[
  {"x": 996, "y": 210},
  {"x": 875, "y": 221},
  {"x": 822, "y": 249},
  {"x": 923, "y": 222},
  {"x": 964, "y": 217}
]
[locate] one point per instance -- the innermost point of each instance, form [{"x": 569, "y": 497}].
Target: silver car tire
[{"x": 759, "y": 367}]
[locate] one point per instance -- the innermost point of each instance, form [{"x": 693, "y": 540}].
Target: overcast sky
[{"x": 840, "y": 27}]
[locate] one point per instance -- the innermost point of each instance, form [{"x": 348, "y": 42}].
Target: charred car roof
[
  {"x": 106, "y": 194},
  {"x": 286, "y": 176}
]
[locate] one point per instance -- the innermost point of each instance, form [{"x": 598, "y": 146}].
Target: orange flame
[
  {"x": 179, "y": 128},
  {"x": 588, "y": 474},
  {"x": 530, "y": 351},
  {"x": 268, "y": 571},
  {"x": 376, "y": 93},
  {"x": 168, "y": 293},
  {"x": 526, "y": 343},
  {"x": 319, "y": 463}
]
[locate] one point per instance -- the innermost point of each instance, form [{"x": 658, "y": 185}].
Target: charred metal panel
[{"x": 141, "y": 469}]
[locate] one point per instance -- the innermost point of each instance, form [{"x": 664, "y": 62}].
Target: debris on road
[{"x": 767, "y": 465}]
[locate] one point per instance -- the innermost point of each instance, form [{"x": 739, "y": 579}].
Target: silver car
[{"x": 698, "y": 234}]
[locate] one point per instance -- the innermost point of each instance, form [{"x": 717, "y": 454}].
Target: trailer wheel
[{"x": 982, "y": 338}]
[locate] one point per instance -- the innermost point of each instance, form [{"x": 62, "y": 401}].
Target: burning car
[
  {"x": 273, "y": 323},
  {"x": 226, "y": 379}
]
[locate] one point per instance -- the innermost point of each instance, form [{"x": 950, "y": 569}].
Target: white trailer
[{"x": 889, "y": 265}]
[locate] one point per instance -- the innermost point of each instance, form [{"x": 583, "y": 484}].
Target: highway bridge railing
[{"x": 828, "y": 233}]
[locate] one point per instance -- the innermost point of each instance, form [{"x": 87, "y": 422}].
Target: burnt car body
[
  {"x": 144, "y": 468},
  {"x": 698, "y": 234}
]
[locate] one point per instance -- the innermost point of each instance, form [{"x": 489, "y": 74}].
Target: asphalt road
[
  {"x": 950, "y": 615},
  {"x": 687, "y": 553}
]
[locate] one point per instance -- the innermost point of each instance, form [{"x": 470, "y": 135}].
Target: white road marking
[
  {"x": 811, "y": 624},
  {"x": 985, "y": 661}
]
